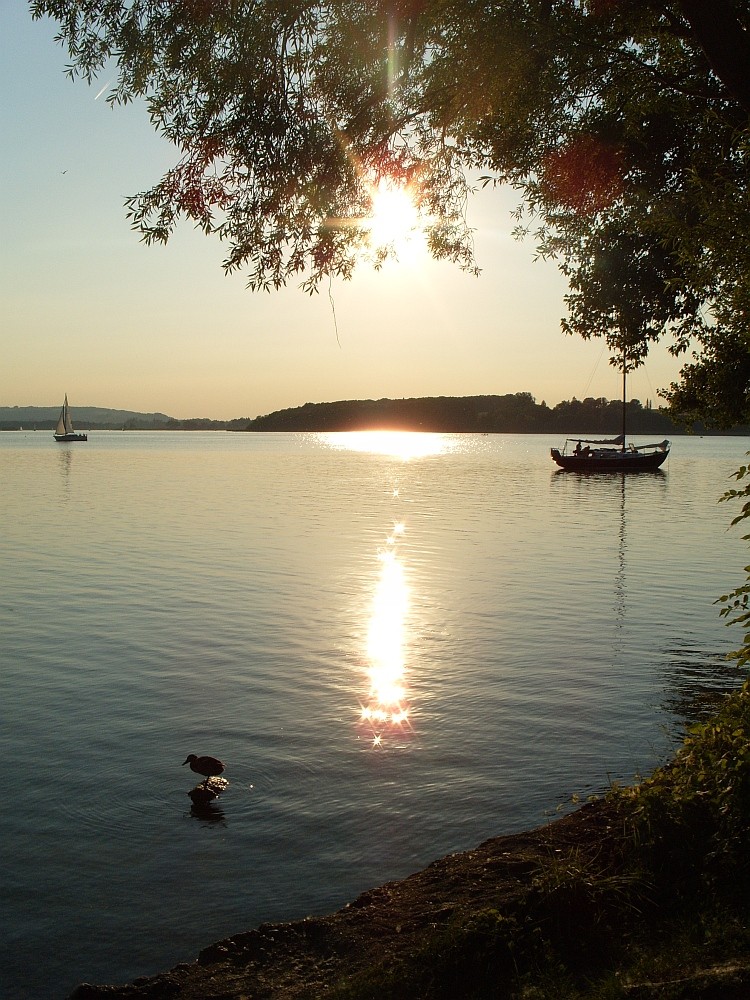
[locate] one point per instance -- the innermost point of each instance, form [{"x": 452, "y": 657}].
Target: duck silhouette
[{"x": 210, "y": 767}]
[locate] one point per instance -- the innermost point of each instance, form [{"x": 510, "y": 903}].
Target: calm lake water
[{"x": 400, "y": 644}]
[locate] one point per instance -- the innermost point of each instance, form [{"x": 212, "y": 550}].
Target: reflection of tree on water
[
  {"x": 696, "y": 681},
  {"x": 685, "y": 678}
]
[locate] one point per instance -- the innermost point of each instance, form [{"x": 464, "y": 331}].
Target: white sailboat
[{"x": 64, "y": 430}]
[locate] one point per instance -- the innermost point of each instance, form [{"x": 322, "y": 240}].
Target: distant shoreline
[
  {"x": 515, "y": 413},
  {"x": 677, "y": 432}
]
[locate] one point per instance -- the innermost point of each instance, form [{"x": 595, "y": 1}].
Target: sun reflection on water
[
  {"x": 386, "y": 707},
  {"x": 398, "y": 444}
]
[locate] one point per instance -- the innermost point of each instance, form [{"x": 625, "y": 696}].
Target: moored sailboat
[
  {"x": 64, "y": 430},
  {"x": 612, "y": 455}
]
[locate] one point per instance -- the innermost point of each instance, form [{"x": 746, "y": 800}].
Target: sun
[
  {"x": 395, "y": 223},
  {"x": 394, "y": 214}
]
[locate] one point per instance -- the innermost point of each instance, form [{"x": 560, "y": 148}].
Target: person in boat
[{"x": 577, "y": 450}]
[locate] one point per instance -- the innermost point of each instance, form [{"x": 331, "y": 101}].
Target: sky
[{"x": 87, "y": 309}]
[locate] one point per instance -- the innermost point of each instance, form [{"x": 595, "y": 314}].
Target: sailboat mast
[{"x": 624, "y": 397}]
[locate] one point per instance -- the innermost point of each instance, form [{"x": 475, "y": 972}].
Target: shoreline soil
[
  {"x": 306, "y": 958},
  {"x": 503, "y": 907}
]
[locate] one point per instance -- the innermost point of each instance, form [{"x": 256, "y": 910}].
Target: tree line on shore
[{"x": 513, "y": 413}]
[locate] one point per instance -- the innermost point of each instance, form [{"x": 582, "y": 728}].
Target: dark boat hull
[
  {"x": 616, "y": 461},
  {"x": 71, "y": 437}
]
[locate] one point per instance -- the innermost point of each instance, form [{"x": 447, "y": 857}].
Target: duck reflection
[
  {"x": 207, "y": 812},
  {"x": 387, "y": 707},
  {"x": 206, "y": 795}
]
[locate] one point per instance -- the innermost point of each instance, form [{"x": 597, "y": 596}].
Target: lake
[{"x": 401, "y": 645}]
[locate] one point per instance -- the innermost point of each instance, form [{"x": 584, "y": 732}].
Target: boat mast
[{"x": 624, "y": 404}]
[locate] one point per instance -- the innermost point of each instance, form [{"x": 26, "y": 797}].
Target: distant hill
[{"x": 84, "y": 417}]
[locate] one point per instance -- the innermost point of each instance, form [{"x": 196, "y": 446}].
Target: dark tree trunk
[{"x": 725, "y": 42}]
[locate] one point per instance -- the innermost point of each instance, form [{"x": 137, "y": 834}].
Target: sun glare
[
  {"x": 386, "y": 708},
  {"x": 405, "y": 445},
  {"x": 395, "y": 223}
]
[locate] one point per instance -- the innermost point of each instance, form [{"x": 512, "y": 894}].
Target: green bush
[
  {"x": 737, "y": 604},
  {"x": 691, "y": 818}
]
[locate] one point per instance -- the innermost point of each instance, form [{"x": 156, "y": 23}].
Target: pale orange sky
[{"x": 89, "y": 310}]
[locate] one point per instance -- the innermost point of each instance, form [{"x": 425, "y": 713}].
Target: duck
[{"x": 210, "y": 767}]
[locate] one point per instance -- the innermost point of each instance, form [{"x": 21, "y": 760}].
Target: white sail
[
  {"x": 64, "y": 430},
  {"x": 63, "y": 419}
]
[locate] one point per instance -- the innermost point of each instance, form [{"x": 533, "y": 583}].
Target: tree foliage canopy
[
  {"x": 623, "y": 124},
  {"x": 737, "y": 604}
]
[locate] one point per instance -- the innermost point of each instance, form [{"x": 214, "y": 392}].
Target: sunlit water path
[{"x": 401, "y": 645}]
